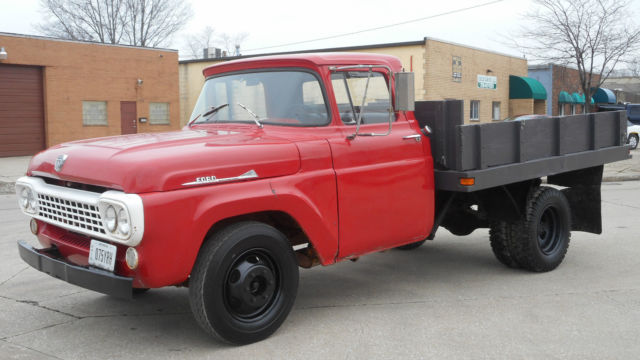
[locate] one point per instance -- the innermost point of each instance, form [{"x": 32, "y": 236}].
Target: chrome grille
[{"x": 73, "y": 213}]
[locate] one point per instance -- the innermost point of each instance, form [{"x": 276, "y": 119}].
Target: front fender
[{"x": 177, "y": 222}]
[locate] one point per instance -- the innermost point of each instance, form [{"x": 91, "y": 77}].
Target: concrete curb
[
  {"x": 616, "y": 178},
  {"x": 9, "y": 187}
]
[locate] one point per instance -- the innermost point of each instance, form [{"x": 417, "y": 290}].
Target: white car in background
[{"x": 633, "y": 133}]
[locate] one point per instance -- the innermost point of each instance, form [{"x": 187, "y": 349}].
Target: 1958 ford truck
[{"x": 300, "y": 160}]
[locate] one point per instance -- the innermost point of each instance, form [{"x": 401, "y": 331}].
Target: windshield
[{"x": 292, "y": 98}]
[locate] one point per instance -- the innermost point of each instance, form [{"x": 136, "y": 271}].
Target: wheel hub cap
[{"x": 251, "y": 285}]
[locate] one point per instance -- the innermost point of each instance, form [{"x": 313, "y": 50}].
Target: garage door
[{"x": 21, "y": 110}]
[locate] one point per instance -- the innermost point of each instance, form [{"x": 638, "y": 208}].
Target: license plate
[{"x": 102, "y": 255}]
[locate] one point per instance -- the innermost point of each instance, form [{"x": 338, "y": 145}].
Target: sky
[{"x": 277, "y": 22}]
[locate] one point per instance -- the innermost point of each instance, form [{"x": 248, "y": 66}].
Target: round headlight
[
  {"x": 25, "y": 197},
  {"x": 110, "y": 218},
  {"x": 33, "y": 203},
  {"x": 123, "y": 222}
]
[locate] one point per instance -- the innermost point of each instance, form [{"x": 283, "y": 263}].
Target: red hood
[{"x": 164, "y": 161}]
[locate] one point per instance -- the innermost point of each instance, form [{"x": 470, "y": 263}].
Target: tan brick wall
[
  {"x": 439, "y": 78},
  {"x": 75, "y": 72},
  {"x": 540, "y": 107},
  {"x": 521, "y": 107},
  {"x": 191, "y": 81}
]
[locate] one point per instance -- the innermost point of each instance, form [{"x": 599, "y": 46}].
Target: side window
[{"x": 349, "y": 88}]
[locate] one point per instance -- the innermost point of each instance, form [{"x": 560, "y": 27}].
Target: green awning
[
  {"x": 577, "y": 98},
  {"x": 521, "y": 87},
  {"x": 603, "y": 96},
  {"x": 565, "y": 98}
]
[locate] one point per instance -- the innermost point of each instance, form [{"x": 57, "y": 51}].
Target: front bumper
[{"x": 48, "y": 262}]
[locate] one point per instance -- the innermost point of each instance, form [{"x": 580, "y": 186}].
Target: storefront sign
[{"x": 487, "y": 82}]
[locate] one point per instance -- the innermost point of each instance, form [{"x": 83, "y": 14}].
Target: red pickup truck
[{"x": 295, "y": 161}]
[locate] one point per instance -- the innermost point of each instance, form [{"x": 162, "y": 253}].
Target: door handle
[{"x": 417, "y": 137}]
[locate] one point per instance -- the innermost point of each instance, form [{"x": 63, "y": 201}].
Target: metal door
[
  {"x": 128, "y": 117},
  {"x": 21, "y": 110},
  {"x": 385, "y": 189}
]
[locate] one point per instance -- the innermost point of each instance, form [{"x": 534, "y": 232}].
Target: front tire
[
  {"x": 244, "y": 283},
  {"x": 541, "y": 238}
]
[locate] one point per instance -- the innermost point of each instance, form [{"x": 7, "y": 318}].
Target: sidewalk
[{"x": 12, "y": 168}]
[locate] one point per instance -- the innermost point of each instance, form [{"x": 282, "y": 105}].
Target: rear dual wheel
[
  {"x": 244, "y": 283},
  {"x": 633, "y": 141},
  {"x": 539, "y": 241}
]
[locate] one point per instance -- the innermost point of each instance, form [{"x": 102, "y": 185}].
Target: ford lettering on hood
[{"x": 166, "y": 161}]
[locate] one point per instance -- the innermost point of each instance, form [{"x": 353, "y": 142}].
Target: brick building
[
  {"x": 564, "y": 92},
  {"x": 54, "y": 90},
  {"x": 443, "y": 70}
]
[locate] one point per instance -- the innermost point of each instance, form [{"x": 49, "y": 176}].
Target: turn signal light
[{"x": 467, "y": 181}]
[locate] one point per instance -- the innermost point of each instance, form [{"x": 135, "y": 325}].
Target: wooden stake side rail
[{"x": 505, "y": 152}]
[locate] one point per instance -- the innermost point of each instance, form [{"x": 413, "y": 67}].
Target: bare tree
[
  {"x": 153, "y": 22},
  {"x": 132, "y": 22},
  {"x": 228, "y": 43},
  {"x": 92, "y": 20},
  {"x": 231, "y": 42},
  {"x": 202, "y": 40},
  {"x": 593, "y": 35}
]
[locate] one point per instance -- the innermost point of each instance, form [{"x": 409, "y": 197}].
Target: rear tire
[
  {"x": 633, "y": 141},
  {"x": 541, "y": 238},
  {"x": 500, "y": 236},
  {"x": 411, "y": 246},
  {"x": 244, "y": 283}
]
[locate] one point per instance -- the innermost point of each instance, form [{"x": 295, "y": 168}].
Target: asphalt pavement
[{"x": 449, "y": 299}]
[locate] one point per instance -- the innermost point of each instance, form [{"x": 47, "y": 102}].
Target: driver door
[{"x": 385, "y": 183}]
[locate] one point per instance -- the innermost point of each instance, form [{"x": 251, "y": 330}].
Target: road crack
[
  {"x": 37, "y": 304},
  {"x": 31, "y": 349},
  {"x": 14, "y": 275}
]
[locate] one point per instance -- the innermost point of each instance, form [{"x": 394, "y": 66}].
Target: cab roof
[{"x": 308, "y": 60}]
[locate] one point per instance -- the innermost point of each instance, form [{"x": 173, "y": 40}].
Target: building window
[
  {"x": 159, "y": 113},
  {"x": 456, "y": 68},
  {"x": 475, "y": 110},
  {"x": 94, "y": 113},
  {"x": 561, "y": 109},
  {"x": 495, "y": 114}
]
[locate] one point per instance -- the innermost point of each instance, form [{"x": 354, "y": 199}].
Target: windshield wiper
[
  {"x": 256, "y": 118},
  {"x": 213, "y": 110}
]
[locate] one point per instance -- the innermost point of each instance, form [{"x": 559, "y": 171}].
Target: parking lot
[{"x": 447, "y": 299}]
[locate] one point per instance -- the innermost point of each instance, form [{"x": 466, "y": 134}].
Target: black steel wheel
[
  {"x": 244, "y": 283},
  {"x": 411, "y": 246},
  {"x": 543, "y": 235}
]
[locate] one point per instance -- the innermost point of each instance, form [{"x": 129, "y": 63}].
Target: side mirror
[{"x": 405, "y": 91}]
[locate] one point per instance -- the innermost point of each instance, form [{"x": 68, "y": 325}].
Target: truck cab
[{"x": 307, "y": 149}]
